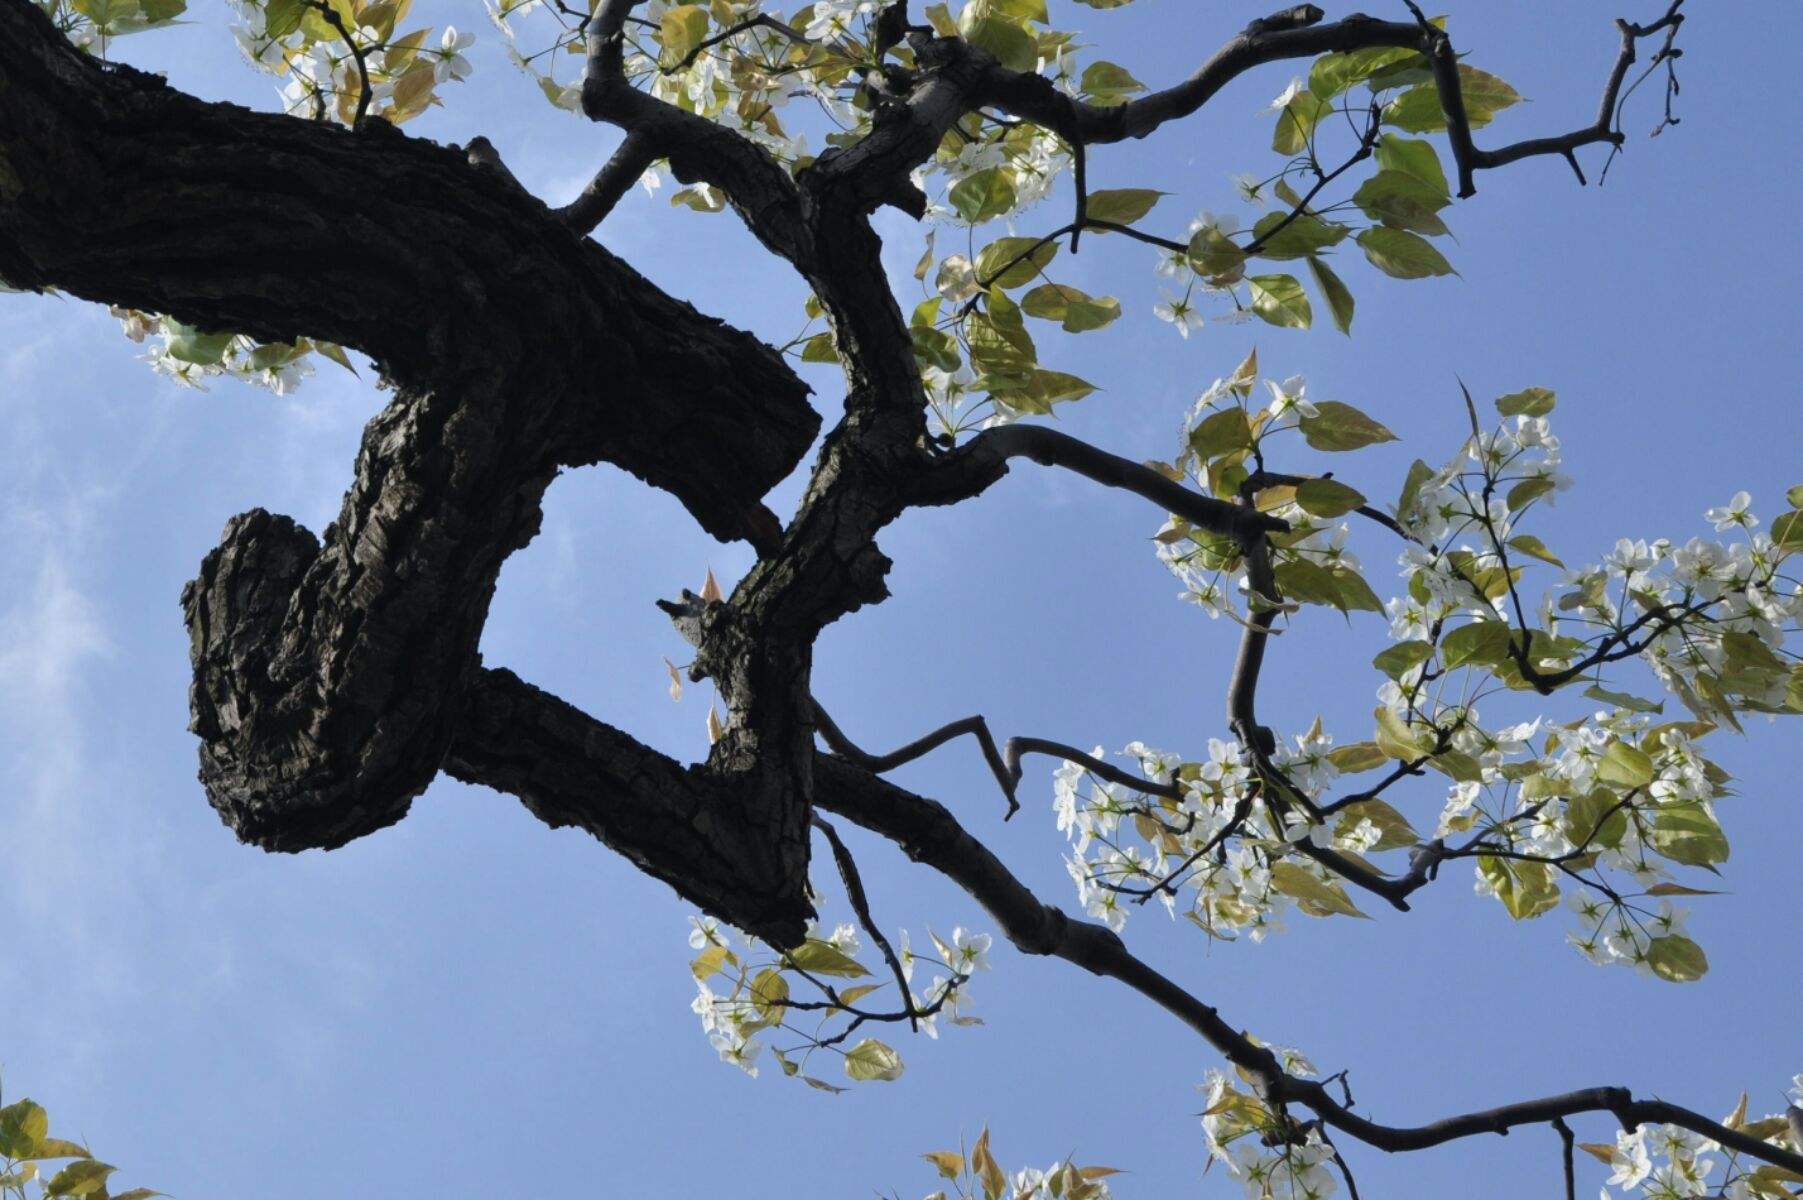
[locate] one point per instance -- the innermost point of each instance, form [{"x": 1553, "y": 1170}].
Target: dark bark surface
[{"x": 330, "y": 672}]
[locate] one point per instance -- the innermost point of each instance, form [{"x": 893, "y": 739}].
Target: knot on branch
[{"x": 278, "y": 770}]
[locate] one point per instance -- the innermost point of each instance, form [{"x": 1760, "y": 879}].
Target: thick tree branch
[
  {"x": 329, "y": 677},
  {"x": 131, "y": 193},
  {"x": 699, "y": 150},
  {"x": 680, "y": 824}
]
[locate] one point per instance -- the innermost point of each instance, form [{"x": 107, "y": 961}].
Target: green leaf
[
  {"x": 1091, "y": 313},
  {"x": 871, "y": 1059},
  {"x": 1419, "y": 474},
  {"x": 1106, "y": 84},
  {"x": 1528, "y": 491},
  {"x": 1595, "y": 820},
  {"x": 1401, "y": 254},
  {"x": 819, "y": 349},
  {"x": 1677, "y": 959},
  {"x": 1297, "y": 121},
  {"x": 1221, "y": 433},
  {"x": 1327, "y": 497},
  {"x": 986, "y": 1169},
  {"x": 1123, "y": 206},
  {"x": 1312, "y": 894},
  {"x": 1403, "y": 202},
  {"x": 1394, "y": 828},
  {"x": 709, "y": 961},
  {"x": 1280, "y": 300},
  {"x": 932, "y": 346},
  {"x": 1418, "y": 110},
  {"x": 23, "y": 1127},
  {"x": 1339, "y": 299},
  {"x": 1401, "y": 742},
  {"x": 1481, "y": 642},
  {"x": 1597, "y": 691},
  {"x": 1787, "y": 530},
  {"x": 81, "y": 1178},
  {"x": 1689, "y": 834},
  {"x": 1356, "y": 757},
  {"x": 1398, "y": 660},
  {"x": 987, "y": 193},
  {"x": 1533, "y": 547},
  {"x": 1012, "y": 45},
  {"x": 823, "y": 958},
  {"x": 190, "y": 345},
  {"x": 1308, "y": 583},
  {"x": 1078, "y": 311},
  {"x": 1332, "y": 74},
  {"x": 683, "y": 28},
  {"x": 1355, "y": 593},
  {"x": 282, "y": 17},
  {"x": 1279, "y": 236},
  {"x": 695, "y": 199},
  {"x": 1414, "y": 157},
  {"x": 1213, "y": 253},
  {"x": 1795, "y": 496},
  {"x": 949, "y": 1163},
  {"x": 1337, "y": 426},
  {"x": 1530, "y": 402},
  {"x": 1028, "y": 256},
  {"x": 1625, "y": 766},
  {"x": 1526, "y": 889},
  {"x": 51, "y": 1147},
  {"x": 1042, "y": 389},
  {"x": 770, "y": 995}
]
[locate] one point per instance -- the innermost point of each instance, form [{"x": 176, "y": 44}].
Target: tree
[{"x": 334, "y": 679}]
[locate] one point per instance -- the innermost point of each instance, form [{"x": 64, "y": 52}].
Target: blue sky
[{"x": 470, "y": 1003}]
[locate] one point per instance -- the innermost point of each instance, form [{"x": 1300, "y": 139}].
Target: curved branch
[
  {"x": 1006, "y": 772},
  {"x": 860, "y": 906},
  {"x": 1605, "y": 129},
  {"x": 928, "y": 833},
  {"x": 631, "y": 160},
  {"x": 1297, "y": 33},
  {"x": 699, "y": 150},
  {"x": 980, "y": 462}
]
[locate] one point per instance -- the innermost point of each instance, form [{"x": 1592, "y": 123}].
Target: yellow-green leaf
[
  {"x": 1280, "y": 300},
  {"x": 1122, "y": 206},
  {"x": 872, "y": 1060},
  {"x": 1677, "y": 958}
]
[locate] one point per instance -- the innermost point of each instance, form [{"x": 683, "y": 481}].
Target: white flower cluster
[
  {"x": 1130, "y": 846},
  {"x": 1271, "y": 1163},
  {"x": 740, "y": 995},
  {"x": 1210, "y": 569},
  {"x": 280, "y": 369},
  {"x": 325, "y": 75},
  {"x": 1666, "y": 1162},
  {"x": 1446, "y": 502},
  {"x": 1056, "y": 1181}
]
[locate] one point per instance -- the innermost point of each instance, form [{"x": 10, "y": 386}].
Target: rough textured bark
[{"x": 330, "y": 672}]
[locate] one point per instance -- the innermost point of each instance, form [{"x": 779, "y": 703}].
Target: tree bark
[{"x": 331, "y": 673}]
